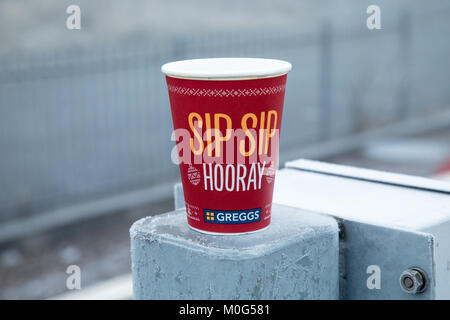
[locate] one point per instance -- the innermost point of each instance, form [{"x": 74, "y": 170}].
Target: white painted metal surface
[{"x": 381, "y": 198}]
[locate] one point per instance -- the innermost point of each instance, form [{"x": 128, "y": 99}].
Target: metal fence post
[
  {"x": 325, "y": 47},
  {"x": 405, "y": 59}
]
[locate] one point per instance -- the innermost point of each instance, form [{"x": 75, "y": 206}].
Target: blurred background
[{"x": 85, "y": 123}]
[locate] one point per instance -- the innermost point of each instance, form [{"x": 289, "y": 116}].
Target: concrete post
[{"x": 295, "y": 258}]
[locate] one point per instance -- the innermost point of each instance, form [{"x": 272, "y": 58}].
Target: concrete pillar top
[{"x": 288, "y": 226}]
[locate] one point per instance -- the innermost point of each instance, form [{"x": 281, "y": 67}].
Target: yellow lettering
[
  {"x": 197, "y": 135},
  {"x": 208, "y": 134},
  {"x": 248, "y": 133},
  {"x": 217, "y": 138},
  {"x": 270, "y": 133},
  {"x": 261, "y": 133}
]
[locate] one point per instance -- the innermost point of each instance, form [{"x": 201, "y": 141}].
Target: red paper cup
[{"x": 227, "y": 118}]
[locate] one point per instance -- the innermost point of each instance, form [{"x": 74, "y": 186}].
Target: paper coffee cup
[{"x": 227, "y": 119}]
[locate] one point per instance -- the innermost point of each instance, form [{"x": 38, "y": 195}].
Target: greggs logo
[{"x": 232, "y": 217}]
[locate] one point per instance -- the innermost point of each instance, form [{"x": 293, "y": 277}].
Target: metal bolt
[{"x": 413, "y": 281}]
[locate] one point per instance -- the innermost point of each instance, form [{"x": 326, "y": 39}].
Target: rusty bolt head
[{"x": 413, "y": 281}]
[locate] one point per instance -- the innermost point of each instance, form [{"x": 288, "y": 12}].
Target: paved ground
[{"x": 35, "y": 267}]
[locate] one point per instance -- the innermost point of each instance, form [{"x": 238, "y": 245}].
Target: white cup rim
[{"x": 226, "y": 68}]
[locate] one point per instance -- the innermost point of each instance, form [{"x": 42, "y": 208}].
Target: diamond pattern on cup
[{"x": 226, "y": 92}]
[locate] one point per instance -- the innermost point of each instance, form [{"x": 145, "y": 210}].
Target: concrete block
[{"x": 295, "y": 258}]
